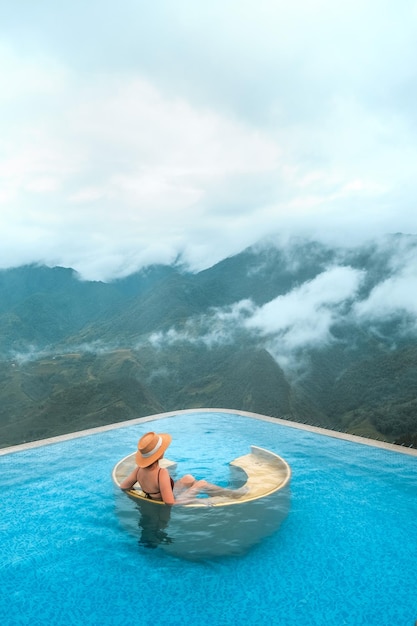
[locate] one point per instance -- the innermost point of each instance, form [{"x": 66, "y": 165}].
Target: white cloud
[
  {"x": 391, "y": 297},
  {"x": 293, "y": 323},
  {"x": 304, "y": 316},
  {"x": 244, "y": 119},
  {"x": 396, "y": 295},
  {"x": 137, "y": 184},
  {"x": 287, "y": 325},
  {"x": 218, "y": 327}
]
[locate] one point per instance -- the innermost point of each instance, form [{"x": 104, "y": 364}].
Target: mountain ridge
[{"x": 273, "y": 330}]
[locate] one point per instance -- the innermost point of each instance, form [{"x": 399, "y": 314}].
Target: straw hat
[{"x": 151, "y": 447}]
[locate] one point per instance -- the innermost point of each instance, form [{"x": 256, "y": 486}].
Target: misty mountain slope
[
  {"x": 259, "y": 274},
  {"x": 174, "y": 301},
  {"x": 305, "y": 332},
  {"x": 382, "y": 388},
  {"x": 85, "y": 405},
  {"x": 52, "y": 305},
  {"x": 42, "y": 306},
  {"x": 47, "y": 305},
  {"x": 18, "y": 284},
  {"x": 71, "y": 392},
  {"x": 263, "y": 272},
  {"x": 242, "y": 377}
]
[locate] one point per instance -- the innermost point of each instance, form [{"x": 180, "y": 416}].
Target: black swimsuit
[{"x": 155, "y": 493}]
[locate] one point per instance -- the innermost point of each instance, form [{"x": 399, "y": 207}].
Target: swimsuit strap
[{"x": 153, "y": 493}]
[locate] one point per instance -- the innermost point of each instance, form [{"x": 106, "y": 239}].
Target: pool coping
[{"x": 274, "y": 420}]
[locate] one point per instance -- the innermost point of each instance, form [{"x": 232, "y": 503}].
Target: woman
[{"x": 155, "y": 481}]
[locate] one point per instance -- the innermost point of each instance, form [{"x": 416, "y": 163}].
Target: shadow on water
[
  {"x": 196, "y": 533},
  {"x": 153, "y": 524}
]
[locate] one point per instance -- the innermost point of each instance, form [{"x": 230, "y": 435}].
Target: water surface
[{"x": 344, "y": 554}]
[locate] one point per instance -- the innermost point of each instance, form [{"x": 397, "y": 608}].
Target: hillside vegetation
[{"x": 79, "y": 354}]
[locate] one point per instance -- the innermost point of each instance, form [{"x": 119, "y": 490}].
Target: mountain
[{"x": 304, "y": 332}]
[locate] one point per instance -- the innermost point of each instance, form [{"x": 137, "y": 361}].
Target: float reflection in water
[{"x": 214, "y": 525}]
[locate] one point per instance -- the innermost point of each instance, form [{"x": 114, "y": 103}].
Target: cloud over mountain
[
  {"x": 312, "y": 333},
  {"x": 307, "y": 315},
  {"x": 162, "y": 134}
]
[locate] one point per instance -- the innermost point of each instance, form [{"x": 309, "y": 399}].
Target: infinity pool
[{"x": 344, "y": 554}]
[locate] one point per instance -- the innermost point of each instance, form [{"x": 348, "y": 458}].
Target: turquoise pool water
[{"x": 345, "y": 553}]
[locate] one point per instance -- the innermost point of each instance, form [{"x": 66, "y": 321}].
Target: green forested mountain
[{"x": 303, "y": 332}]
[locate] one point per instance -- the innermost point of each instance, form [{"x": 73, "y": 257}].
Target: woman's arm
[
  {"x": 130, "y": 480},
  {"x": 165, "y": 488}
]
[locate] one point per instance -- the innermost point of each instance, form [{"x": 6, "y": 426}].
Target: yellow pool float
[{"x": 266, "y": 473}]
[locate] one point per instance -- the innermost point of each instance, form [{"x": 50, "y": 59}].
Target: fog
[
  {"x": 305, "y": 317},
  {"x": 140, "y": 133}
]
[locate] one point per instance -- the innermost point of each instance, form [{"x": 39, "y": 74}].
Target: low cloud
[
  {"x": 393, "y": 297},
  {"x": 303, "y": 317},
  {"x": 33, "y": 353},
  {"x": 118, "y": 153},
  {"x": 218, "y": 327},
  {"x": 124, "y": 176},
  {"x": 310, "y": 308},
  {"x": 292, "y": 322}
]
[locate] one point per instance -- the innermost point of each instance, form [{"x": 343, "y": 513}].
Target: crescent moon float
[
  {"x": 266, "y": 473},
  {"x": 214, "y": 525}
]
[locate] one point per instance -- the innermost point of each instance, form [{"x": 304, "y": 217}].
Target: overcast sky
[{"x": 133, "y": 132}]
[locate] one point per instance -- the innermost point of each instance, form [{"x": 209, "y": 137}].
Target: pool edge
[{"x": 275, "y": 420}]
